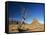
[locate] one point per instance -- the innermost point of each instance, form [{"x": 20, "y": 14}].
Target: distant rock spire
[{"x": 35, "y": 21}]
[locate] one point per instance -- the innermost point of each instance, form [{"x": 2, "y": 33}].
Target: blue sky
[{"x": 33, "y": 10}]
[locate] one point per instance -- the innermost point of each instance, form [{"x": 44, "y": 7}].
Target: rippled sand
[{"x": 28, "y": 27}]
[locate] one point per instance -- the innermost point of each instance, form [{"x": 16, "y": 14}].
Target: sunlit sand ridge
[{"x": 34, "y": 26}]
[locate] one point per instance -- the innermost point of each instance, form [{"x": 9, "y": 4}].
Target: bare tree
[{"x": 24, "y": 14}]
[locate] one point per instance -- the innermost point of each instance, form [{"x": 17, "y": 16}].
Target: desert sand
[{"x": 35, "y": 26}]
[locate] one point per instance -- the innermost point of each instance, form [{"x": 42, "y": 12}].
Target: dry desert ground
[{"x": 34, "y": 26}]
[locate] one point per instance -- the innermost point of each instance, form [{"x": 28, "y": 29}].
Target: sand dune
[{"x": 34, "y": 26}]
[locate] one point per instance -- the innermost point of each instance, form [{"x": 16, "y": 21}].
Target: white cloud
[{"x": 42, "y": 22}]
